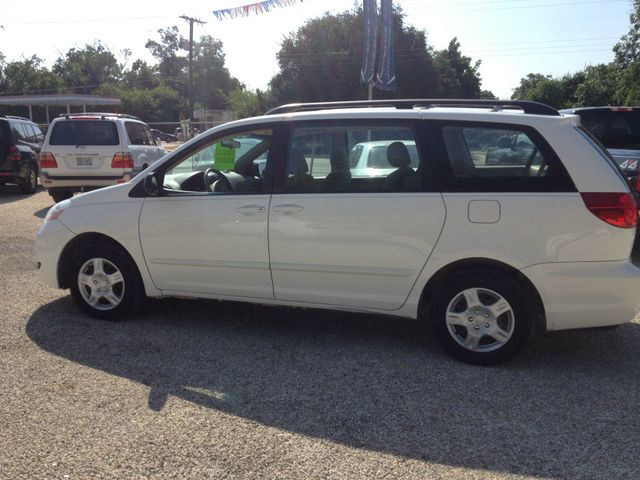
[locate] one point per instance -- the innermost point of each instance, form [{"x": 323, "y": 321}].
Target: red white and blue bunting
[{"x": 253, "y": 9}]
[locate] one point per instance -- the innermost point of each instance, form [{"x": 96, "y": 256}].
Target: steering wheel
[{"x": 215, "y": 181}]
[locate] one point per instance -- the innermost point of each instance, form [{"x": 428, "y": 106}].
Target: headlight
[{"x": 57, "y": 210}]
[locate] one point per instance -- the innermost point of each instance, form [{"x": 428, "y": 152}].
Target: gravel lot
[{"x": 200, "y": 389}]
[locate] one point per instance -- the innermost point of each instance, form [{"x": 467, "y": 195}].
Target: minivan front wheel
[
  {"x": 482, "y": 318},
  {"x": 105, "y": 282}
]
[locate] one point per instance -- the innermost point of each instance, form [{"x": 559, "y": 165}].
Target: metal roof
[{"x": 57, "y": 100}]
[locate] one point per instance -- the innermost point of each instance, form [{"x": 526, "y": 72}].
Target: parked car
[
  {"x": 20, "y": 143},
  {"x": 370, "y": 158},
  {"x": 85, "y": 151},
  {"x": 618, "y": 129},
  {"x": 161, "y": 136},
  {"x": 482, "y": 254}
]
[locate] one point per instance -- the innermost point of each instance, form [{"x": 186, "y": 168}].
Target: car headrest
[{"x": 398, "y": 155}]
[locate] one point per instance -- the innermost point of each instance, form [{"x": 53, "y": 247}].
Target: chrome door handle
[
  {"x": 250, "y": 209},
  {"x": 288, "y": 209}
]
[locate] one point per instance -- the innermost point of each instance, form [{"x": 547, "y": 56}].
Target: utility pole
[{"x": 191, "y": 21}]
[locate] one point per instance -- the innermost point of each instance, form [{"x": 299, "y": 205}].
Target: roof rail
[
  {"x": 17, "y": 117},
  {"x": 98, "y": 114},
  {"x": 533, "y": 108}
]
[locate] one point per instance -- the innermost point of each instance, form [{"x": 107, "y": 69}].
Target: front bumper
[
  {"x": 51, "y": 239},
  {"x": 587, "y": 294}
]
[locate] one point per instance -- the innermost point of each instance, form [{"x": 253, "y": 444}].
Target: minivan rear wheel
[{"x": 482, "y": 318}]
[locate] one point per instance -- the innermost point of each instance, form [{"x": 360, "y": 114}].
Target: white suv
[
  {"x": 92, "y": 150},
  {"x": 484, "y": 253}
]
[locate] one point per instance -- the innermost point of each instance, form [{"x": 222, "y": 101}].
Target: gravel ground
[{"x": 200, "y": 389}]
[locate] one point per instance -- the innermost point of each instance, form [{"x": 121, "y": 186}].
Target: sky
[{"x": 511, "y": 37}]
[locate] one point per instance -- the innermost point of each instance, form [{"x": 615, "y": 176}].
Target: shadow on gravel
[
  {"x": 42, "y": 212},
  {"x": 11, "y": 193},
  {"x": 567, "y": 407}
]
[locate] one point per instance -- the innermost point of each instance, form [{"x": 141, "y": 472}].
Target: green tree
[
  {"x": 26, "y": 76},
  {"x": 84, "y": 70},
  {"x": 627, "y": 61},
  {"x": 321, "y": 61},
  {"x": 598, "y": 86},
  {"x": 172, "y": 64},
  {"x": 212, "y": 82},
  {"x": 540, "y": 88},
  {"x": 458, "y": 77},
  {"x": 247, "y": 103}
]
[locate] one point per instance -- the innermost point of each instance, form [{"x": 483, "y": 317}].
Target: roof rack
[
  {"x": 533, "y": 108},
  {"x": 16, "y": 117},
  {"x": 98, "y": 114}
]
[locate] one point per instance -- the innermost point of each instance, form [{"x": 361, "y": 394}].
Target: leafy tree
[
  {"x": 540, "y": 88},
  {"x": 321, "y": 61},
  {"x": 26, "y": 76},
  {"x": 171, "y": 65},
  {"x": 458, "y": 77},
  {"x": 627, "y": 50},
  {"x": 247, "y": 103},
  {"x": 212, "y": 82},
  {"x": 84, "y": 70},
  {"x": 598, "y": 86}
]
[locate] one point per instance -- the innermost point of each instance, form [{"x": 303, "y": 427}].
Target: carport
[{"x": 62, "y": 100}]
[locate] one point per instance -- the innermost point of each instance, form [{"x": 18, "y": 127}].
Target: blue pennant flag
[
  {"x": 370, "y": 36},
  {"x": 386, "y": 79}
]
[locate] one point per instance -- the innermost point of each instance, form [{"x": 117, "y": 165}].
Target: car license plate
[{"x": 84, "y": 161}]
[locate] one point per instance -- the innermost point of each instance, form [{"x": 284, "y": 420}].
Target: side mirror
[{"x": 151, "y": 186}]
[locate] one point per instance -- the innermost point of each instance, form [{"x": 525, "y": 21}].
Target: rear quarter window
[
  {"x": 84, "y": 132},
  {"x": 499, "y": 158}
]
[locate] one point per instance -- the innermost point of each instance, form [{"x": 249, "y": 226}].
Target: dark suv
[
  {"x": 618, "y": 129},
  {"x": 20, "y": 143}
]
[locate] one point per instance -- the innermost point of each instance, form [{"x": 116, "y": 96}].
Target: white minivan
[
  {"x": 484, "y": 253},
  {"x": 91, "y": 150}
]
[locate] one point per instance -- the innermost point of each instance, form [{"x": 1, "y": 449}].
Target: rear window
[
  {"x": 613, "y": 128},
  {"x": 84, "y": 132},
  {"x": 5, "y": 133}
]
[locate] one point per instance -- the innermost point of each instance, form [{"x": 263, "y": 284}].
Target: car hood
[{"x": 112, "y": 194}]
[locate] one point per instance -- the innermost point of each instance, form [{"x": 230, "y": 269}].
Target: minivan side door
[
  {"x": 346, "y": 236},
  {"x": 201, "y": 239}
]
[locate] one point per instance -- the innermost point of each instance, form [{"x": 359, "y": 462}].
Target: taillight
[
  {"x": 122, "y": 160},
  {"x": 617, "y": 209},
  {"x": 14, "y": 154},
  {"x": 47, "y": 160}
]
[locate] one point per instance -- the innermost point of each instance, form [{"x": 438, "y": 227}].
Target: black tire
[
  {"x": 60, "y": 195},
  {"x": 30, "y": 184},
  {"x": 476, "y": 332},
  {"x": 129, "y": 291}
]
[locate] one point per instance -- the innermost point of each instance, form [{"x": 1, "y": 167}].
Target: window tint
[
  {"x": 150, "y": 138},
  {"x": 498, "y": 158},
  {"x": 137, "y": 135},
  {"x": 84, "y": 132},
  {"x": 29, "y": 132},
  {"x": 619, "y": 128},
  {"x": 39, "y": 134},
  {"x": 5, "y": 133},
  {"x": 18, "y": 131},
  {"x": 241, "y": 156},
  {"x": 492, "y": 152},
  {"x": 338, "y": 158}
]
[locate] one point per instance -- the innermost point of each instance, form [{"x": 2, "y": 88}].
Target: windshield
[
  {"x": 84, "y": 132},
  {"x": 614, "y": 128}
]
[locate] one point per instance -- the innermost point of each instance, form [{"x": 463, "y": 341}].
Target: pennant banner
[
  {"x": 253, "y": 9},
  {"x": 386, "y": 78},
  {"x": 370, "y": 10}
]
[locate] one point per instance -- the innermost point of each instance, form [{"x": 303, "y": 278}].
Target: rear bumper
[
  {"x": 77, "y": 182},
  {"x": 587, "y": 294},
  {"x": 51, "y": 239}
]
